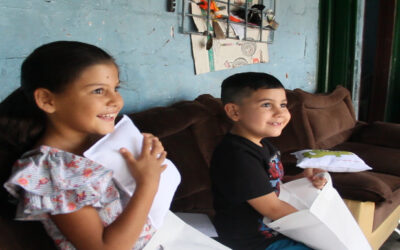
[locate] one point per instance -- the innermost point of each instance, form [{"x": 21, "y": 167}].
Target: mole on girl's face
[{"x": 91, "y": 103}]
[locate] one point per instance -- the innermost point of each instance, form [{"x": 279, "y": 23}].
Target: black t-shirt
[{"x": 240, "y": 171}]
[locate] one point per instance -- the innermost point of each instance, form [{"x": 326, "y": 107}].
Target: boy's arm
[
  {"x": 313, "y": 174},
  {"x": 270, "y": 206}
]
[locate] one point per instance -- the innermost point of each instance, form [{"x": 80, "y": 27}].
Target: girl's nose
[{"x": 115, "y": 99}]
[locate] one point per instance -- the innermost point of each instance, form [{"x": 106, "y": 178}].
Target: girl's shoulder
[
  {"x": 50, "y": 158},
  {"x": 49, "y": 169},
  {"x": 50, "y": 180}
]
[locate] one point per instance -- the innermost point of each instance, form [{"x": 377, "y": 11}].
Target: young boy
[{"x": 245, "y": 167}]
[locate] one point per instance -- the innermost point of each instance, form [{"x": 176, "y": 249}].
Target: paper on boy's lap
[
  {"x": 106, "y": 152},
  {"x": 323, "y": 220}
]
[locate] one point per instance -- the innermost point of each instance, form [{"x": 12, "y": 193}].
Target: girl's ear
[
  {"x": 232, "y": 110},
  {"x": 44, "y": 99}
]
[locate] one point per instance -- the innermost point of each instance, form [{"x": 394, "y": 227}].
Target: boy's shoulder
[
  {"x": 232, "y": 142},
  {"x": 233, "y": 147}
]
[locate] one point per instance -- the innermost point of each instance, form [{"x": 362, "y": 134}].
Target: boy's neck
[{"x": 236, "y": 130}]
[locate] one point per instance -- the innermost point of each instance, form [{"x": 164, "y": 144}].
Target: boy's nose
[{"x": 278, "y": 111}]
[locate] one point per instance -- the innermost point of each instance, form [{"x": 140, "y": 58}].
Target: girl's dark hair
[
  {"x": 51, "y": 66},
  {"x": 238, "y": 86}
]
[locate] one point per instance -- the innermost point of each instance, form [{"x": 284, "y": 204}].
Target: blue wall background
[{"x": 155, "y": 59}]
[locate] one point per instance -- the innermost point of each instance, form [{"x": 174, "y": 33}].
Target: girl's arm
[
  {"x": 84, "y": 228},
  {"x": 270, "y": 206}
]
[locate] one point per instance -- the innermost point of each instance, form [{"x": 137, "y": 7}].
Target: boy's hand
[
  {"x": 315, "y": 175},
  {"x": 147, "y": 167}
]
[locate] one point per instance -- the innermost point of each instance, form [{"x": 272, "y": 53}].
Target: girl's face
[{"x": 90, "y": 104}]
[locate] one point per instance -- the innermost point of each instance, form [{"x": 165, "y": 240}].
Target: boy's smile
[{"x": 263, "y": 114}]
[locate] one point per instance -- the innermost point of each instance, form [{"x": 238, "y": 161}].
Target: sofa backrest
[
  {"x": 189, "y": 131},
  {"x": 319, "y": 121}
]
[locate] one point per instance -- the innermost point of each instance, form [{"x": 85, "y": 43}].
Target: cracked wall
[{"x": 155, "y": 59}]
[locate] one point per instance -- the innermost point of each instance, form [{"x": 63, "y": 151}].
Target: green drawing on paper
[{"x": 322, "y": 153}]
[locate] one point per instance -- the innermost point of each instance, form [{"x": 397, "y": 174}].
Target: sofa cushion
[
  {"x": 190, "y": 164},
  {"x": 297, "y": 134},
  {"x": 381, "y": 159},
  {"x": 384, "y": 209},
  {"x": 362, "y": 186},
  {"x": 188, "y": 131},
  {"x": 200, "y": 202},
  {"x": 172, "y": 125},
  {"x": 165, "y": 121},
  {"x": 380, "y": 133},
  {"x": 330, "y": 117},
  {"x": 366, "y": 186},
  {"x": 319, "y": 121},
  {"x": 209, "y": 132}
]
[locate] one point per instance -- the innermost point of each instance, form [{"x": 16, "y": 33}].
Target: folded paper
[
  {"x": 323, "y": 220},
  {"x": 175, "y": 234},
  {"x": 106, "y": 152}
]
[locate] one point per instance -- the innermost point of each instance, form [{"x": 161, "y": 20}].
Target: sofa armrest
[{"x": 379, "y": 133}]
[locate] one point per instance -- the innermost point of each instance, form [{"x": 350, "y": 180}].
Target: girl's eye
[
  {"x": 266, "y": 105},
  {"x": 284, "y": 105},
  {"x": 98, "y": 91}
]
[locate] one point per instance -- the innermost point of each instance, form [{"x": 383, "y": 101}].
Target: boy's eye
[{"x": 98, "y": 91}]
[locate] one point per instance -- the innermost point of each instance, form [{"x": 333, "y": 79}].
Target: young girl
[{"x": 68, "y": 99}]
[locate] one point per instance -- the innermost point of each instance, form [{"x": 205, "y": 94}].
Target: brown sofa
[{"x": 190, "y": 130}]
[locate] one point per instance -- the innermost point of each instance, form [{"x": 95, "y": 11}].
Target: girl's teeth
[{"x": 107, "y": 116}]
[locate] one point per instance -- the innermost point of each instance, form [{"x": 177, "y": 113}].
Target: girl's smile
[{"x": 88, "y": 106}]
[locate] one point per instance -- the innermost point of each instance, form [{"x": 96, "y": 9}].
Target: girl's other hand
[
  {"x": 147, "y": 167},
  {"x": 315, "y": 175}
]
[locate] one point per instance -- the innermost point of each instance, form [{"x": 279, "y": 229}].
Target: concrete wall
[{"x": 155, "y": 59}]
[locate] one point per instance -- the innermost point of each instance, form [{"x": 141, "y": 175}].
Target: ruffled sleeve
[{"x": 48, "y": 180}]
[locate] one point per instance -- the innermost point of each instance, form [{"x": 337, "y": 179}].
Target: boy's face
[{"x": 262, "y": 114}]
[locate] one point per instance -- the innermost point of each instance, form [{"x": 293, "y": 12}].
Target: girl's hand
[
  {"x": 315, "y": 175},
  {"x": 147, "y": 167}
]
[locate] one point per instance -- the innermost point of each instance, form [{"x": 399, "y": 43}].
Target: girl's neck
[{"x": 76, "y": 145}]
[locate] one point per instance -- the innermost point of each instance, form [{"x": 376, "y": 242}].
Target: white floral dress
[{"x": 51, "y": 181}]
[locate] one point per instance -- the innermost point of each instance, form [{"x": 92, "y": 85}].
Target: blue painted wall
[{"x": 155, "y": 59}]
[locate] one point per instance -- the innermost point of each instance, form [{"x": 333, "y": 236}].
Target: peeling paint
[
  {"x": 137, "y": 33},
  {"x": 150, "y": 32}
]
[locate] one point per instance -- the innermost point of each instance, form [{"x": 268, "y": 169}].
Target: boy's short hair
[{"x": 241, "y": 85}]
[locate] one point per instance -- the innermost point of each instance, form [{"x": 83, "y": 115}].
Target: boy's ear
[
  {"x": 44, "y": 99},
  {"x": 232, "y": 110}
]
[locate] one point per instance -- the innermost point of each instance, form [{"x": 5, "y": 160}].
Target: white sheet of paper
[
  {"x": 200, "y": 222},
  {"x": 325, "y": 222},
  {"x": 106, "y": 152},
  {"x": 175, "y": 234}
]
